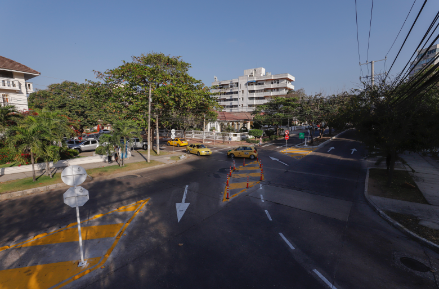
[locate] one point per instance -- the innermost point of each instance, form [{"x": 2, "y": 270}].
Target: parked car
[
  {"x": 136, "y": 143},
  {"x": 72, "y": 142},
  {"x": 177, "y": 142},
  {"x": 86, "y": 145}
]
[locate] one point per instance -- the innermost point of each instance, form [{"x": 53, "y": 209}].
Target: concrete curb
[
  {"x": 46, "y": 189},
  {"x": 394, "y": 223},
  {"x": 334, "y": 137}
]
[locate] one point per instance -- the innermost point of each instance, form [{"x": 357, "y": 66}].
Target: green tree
[
  {"x": 257, "y": 133},
  {"x": 27, "y": 139},
  {"x": 125, "y": 130},
  {"x": 82, "y": 103},
  {"x": 176, "y": 95},
  {"x": 8, "y": 117},
  {"x": 57, "y": 126},
  {"x": 276, "y": 111}
]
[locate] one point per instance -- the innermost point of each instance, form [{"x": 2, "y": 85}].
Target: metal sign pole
[{"x": 82, "y": 263}]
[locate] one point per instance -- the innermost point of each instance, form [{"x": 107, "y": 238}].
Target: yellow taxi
[
  {"x": 243, "y": 152},
  {"x": 198, "y": 149},
  {"x": 180, "y": 142}
]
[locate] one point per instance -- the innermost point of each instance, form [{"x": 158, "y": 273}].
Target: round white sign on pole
[
  {"x": 73, "y": 175},
  {"x": 172, "y": 130},
  {"x": 76, "y": 197}
]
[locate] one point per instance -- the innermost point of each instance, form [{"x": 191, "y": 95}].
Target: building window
[{"x": 5, "y": 99}]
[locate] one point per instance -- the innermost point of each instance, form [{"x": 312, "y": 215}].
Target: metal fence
[{"x": 197, "y": 134}]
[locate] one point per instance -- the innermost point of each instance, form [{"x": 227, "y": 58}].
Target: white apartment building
[
  {"x": 425, "y": 55},
  {"x": 255, "y": 87},
  {"x": 14, "y": 85}
]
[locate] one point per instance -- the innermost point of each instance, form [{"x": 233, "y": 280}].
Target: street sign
[
  {"x": 287, "y": 132},
  {"x": 287, "y": 136},
  {"x": 173, "y": 131},
  {"x": 301, "y": 135},
  {"x": 73, "y": 175},
  {"x": 76, "y": 197}
]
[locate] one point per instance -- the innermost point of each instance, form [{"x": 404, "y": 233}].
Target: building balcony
[{"x": 10, "y": 84}]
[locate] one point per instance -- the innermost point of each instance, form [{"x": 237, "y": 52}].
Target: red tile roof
[
  {"x": 234, "y": 116},
  {"x": 10, "y": 64}
]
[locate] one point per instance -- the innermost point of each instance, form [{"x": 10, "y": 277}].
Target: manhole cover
[{"x": 414, "y": 264}]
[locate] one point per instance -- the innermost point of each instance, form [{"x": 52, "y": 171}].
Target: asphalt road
[{"x": 314, "y": 228}]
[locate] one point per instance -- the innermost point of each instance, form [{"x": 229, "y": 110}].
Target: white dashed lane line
[
  {"x": 268, "y": 215},
  {"x": 262, "y": 198},
  {"x": 324, "y": 279},
  {"x": 286, "y": 241}
]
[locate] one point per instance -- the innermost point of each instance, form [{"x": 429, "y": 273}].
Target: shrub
[
  {"x": 256, "y": 132},
  {"x": 68, "y": 153},
  {"x": 270, "y": 132},
  {"x": 6, "y": 156},
  {"x": 273, "y": 137},
  {"x": 101, "y": 150},
  {"x": 252, "y": 141}
]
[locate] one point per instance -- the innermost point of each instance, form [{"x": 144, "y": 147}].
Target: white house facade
[
  {"x": 14, "y": 85},
  {"x": 255, "y": 87},
  {"x": 425, "y": 57}
]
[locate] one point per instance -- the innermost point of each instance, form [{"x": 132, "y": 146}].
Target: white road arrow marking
[
  {"x": 330, "y": 149},
  {"x": 275, "y": 159},
  {"x": 353, "y": 150},
  {"x": 182, "y": 207}
]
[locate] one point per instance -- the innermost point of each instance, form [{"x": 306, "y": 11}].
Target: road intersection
[{"x": 306, "y": 225}]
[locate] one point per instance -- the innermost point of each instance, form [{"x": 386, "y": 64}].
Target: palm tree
[
  {"x": 56, "y": 127},
  {"x": 27, "y": 139},
  {"x": 125, "y": 129},
  {"x": 8, "y": 116}
]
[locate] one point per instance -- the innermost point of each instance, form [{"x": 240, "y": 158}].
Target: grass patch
[
  {"x": 153, "y": 153},
  {"x": 412, "y": 224},
  {"x": 28, "y": 183},
  {"x": 402, "y": 187},
  {"x": 13, "y": 164},
  {"x": 175, "y": 158}
]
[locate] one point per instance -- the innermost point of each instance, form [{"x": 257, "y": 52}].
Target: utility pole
[
  {"x": 204, "y": 125},
  {"x": 372, "y": 66},
  {"x": 148, "y": 156},
  {"x": 157, "y": 136}
]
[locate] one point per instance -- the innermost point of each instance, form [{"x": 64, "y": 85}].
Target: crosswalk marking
[
  {"x": 297, "y": 153},
  {"x": 38, "y": 273}
]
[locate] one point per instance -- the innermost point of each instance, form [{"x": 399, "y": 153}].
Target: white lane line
[
  {"x": 268, "y": 215},
  {"x": 286, "y": 241},
  {"x": 262, "y": 198},
  {"x": 324, "y": 279}
]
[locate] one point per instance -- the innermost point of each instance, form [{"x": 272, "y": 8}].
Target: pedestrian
[
  {"x": 260, "y": 141},
  {"x": 230, "y": 138}
]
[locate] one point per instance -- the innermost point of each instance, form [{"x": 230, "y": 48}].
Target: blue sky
[{"x": 315, "y": 41}]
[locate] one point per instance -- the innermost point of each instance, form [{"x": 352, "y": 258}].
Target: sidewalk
[
  {"x": 136, "y": 157},
  {"x": 426, "y": 177}
]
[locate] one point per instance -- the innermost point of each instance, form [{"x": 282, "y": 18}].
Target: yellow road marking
[
  {"x": 245, "y": 175},
  {"x": 71, "y": 235},
  {"x": 41, "y": 276},
  {"x": 247, "y": 168},
  {"x": 48, "y": 275},
  {"x": 104, "y": 259}
]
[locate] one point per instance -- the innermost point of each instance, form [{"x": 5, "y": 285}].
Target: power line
[
  {"x": 406, "y": 38},
  {"x": 358, "y": 41},
  {"x": 401, "y": 27},
  {"x": 368, "y": 41}
]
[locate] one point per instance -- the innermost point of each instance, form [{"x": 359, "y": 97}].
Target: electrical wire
[
  {"x": 399, "y": 33},
  {"x": 422, "y": 8},
  {"x": 358, "y": 41},
  {"x": 368, "y": 40}
]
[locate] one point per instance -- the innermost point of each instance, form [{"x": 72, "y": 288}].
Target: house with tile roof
[
  {"x": 237, "y": 120},
  {"x": 14, "y": 85}
]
